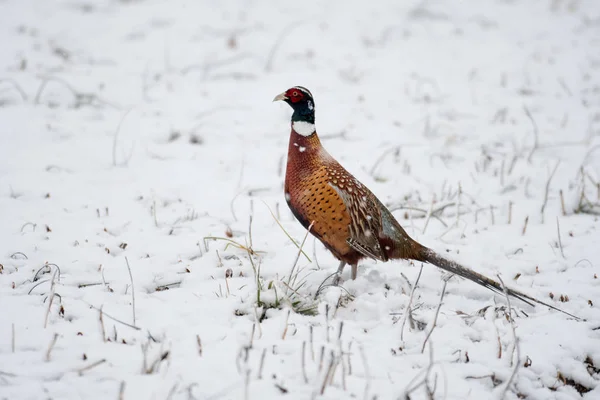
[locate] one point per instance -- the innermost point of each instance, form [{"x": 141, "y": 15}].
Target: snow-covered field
[{"x": 132, "y": 131}]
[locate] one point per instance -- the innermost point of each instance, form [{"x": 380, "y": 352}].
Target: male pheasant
[{"x": 345, "y": 215}]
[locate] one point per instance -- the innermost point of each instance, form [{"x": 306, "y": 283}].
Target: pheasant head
[{"x": 301, "y": 101}]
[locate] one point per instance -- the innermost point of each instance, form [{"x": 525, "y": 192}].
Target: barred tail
[{"x": 434, "y": 258}]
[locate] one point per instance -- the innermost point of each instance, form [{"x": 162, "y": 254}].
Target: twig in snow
[
  {"x": 349, "y": 359},
  {"x": 502, "y": 173},
  {"x": 437, "y": 312},
  {"x": 252, "y": 334},
  {"x": 84, "y": 285},
  {"x": 154, "y": 213},
  {"x": 563, "y": 84},
  {"x": 414, "y": 384},
  {"x": 429, "y": 214},
  {"x": 51, "y": 346},
  {"x": 172, "y": 391},
  {"x": 562, "y": 203},
  {"x": 80, "y": 371},
  {"x": 559, "y": 239},
  {"x": 137, "y": 328},
  {"x": 367, "y": 373},
  {"x": 81, "y": 99},
  {"x": 102, "y": 329},
  {"x": 262, "y": 363},
  {"x": 458, "y": 204},
  {"x": 327, "y": 322},
  {"x": 16, "y": 86},
  {"x": 525, "y": 225},
  {"x": 199, "y": 345},
  {"x": 339, "y": 359},
  {"x": 152, "y": 368},
  {"x": 510, "y": 205},
  {"x": 434, "y": 213},
  {"x": 408, "y": 312},
  {"x": 321, "y": 356},
  {"x": 304, "y": 362},
  {"x": 516, "y": 349},
  {"x": 51, "y": 298},
  {"x": 102, "y": 276},
  {"x": 231, "y": 208},
  {"x": 341, "y": 356},
  {"x": 312, "y": 345},
  {"x": 115, "y": 141},
  {"x": 498, "y": 339},
  {"x": 132, "y": 289},
  {"x": 15, "y": 254},
  {"x": 548, "y": 189},
  {"x": 48, "y": 268},
  {"x": 247, "y": 376},
  {"x": 328, "y": 373},
  {"x": 535, "y": 134},
  {"x": 37, "y": 284},
  {"x": 3, "y": 380},
  {"x": 340, "y": 331},
  {"x": 250, "y": 223},
  {"x": 166, "y": 286},
  {"x": 33, "y": 227}
]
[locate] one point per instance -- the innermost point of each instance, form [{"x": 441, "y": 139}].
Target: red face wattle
[{"x": 294, "y": 95}]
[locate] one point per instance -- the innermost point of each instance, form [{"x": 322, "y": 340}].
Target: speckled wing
[{"x": 365, "y": 217}]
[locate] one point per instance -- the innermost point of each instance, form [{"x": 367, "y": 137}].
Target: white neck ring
[{"x": 303, "y": 128}]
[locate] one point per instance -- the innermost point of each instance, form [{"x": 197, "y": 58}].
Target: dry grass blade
[
  {"x": 437, "y": 312},
  {"x": 51, "y": 346},
  {"x": 298, "y": 255},
  {"x": 548, "y": 189},
  {"x": 132, "y": 289},
  {"x": 80, "y": 371},
  {"x": 535, "y": 134},
  {"x": 16, "y": 86},
  {"x": 408, "y": 312},
  {"x": 137, "y": 328},
  {"x": 233, "y": 243},
  {"x": 116, "y": 140},
  {"x": 516, "y": 348},
  {"x": 559, "y": 239},
  {"x": 287, "y": 234}
]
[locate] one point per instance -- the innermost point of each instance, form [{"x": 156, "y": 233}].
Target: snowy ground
[{"x": 133, "y": 130}]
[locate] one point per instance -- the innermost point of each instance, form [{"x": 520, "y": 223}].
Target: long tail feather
[{"x": 434, "y": 258}]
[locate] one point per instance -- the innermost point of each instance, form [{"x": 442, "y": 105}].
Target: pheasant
[{"x": 345, "y": 215}]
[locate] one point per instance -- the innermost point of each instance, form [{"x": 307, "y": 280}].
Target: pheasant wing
[{"x": 365, "y": 219}]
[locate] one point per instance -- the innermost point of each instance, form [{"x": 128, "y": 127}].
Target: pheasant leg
[{"x": 354, "y": 271}]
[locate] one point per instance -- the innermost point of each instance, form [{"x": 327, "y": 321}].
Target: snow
[{"x": 134, "y": 132}]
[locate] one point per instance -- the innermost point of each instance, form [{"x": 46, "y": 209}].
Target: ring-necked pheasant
[{"x": 346, "y": 216}]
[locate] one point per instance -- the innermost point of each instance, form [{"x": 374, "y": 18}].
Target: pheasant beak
[{"x": 281, "y": 96}]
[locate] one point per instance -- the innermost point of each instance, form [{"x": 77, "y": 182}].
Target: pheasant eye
[{"x": 295, "y": 94}]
